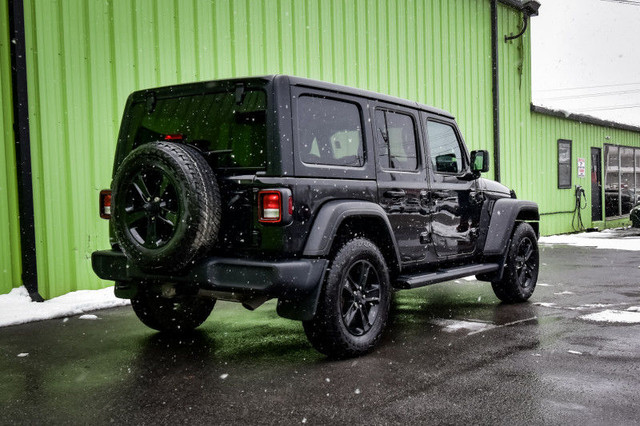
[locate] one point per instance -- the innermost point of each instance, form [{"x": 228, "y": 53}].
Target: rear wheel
[
  {"x": 521, "y": 269},
  {"x": 354, "y": 305},
  {"x": 180, "y": 313}
]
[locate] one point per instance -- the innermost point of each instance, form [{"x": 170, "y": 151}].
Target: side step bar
[{"x": 423, "y": 279}]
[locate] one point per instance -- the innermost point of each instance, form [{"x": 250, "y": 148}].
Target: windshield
[{"x": 229, "y": 127}]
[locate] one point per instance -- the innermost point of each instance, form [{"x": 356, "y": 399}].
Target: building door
[{"x": 596, "y": 184}]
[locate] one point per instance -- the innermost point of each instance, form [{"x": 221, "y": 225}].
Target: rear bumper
[{"x": 295, "y": 283}]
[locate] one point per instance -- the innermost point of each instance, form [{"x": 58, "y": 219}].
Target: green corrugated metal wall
[
  {"x": 85, "y": 57},
  {"x": 583, "y": 136},
  {"x": 516, "y": 141},
  {"x": 10, "y": 261},
  {"x": 529, "y": 156}
]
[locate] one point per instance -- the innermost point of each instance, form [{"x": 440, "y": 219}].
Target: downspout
[
  {"x": 23, "y": 148},
  {"x": 496, "y": 89},
  {"x": 527, "y": 8}
]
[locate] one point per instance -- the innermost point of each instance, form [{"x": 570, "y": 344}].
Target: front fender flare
[{"x": 503, "y": 218}]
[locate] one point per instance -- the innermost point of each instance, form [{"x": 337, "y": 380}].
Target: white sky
[{"x": 582, "y": 48}]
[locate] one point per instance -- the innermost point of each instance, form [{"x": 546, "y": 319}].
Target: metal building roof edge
[{"x": 581, "y": 118}]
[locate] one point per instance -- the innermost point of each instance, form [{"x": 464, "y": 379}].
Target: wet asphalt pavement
[{"x": 513, "y": 364}]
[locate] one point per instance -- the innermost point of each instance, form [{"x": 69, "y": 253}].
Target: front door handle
[
  {"x": 395, "y": 193},
  {"x": 425, "y": 238}
]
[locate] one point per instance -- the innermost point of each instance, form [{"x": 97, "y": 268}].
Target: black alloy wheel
[
  {"x": 526, "y": 263},
  {"x": 152, "y": 207},
  {"x": 360, "y": 298},
  {"x": 521, "y": 267},
  {"x": 166, "y": 208},
  {"x": 355, "y": 302}
]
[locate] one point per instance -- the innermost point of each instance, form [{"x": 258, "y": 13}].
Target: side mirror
[
  {"x": 447, "y": 163},
  {"x": 480, "y": 161}
]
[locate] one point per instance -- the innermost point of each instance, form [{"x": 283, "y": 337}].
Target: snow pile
[
  {"x": 88, "y": 317},
  {"x": 545, "y": 304},
  {"x": 17, "y": 307},
  {"x": 630, "y": 316},
  {"x": 614, "y": 239},
  {"x": 452, "y": 326}
]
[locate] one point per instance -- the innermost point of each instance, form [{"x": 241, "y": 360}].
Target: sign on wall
[{"x": 582, "y": 167}]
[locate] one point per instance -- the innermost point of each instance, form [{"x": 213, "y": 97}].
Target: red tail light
[
  {"x": 173, "y": 138},
  {"x": 105, "y": 204},
  {"x": 270, "y": 206}
]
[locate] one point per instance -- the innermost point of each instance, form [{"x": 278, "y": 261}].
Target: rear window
[
  {"x": 329, "y": 132},
  {"x": 230, "y": 128}
]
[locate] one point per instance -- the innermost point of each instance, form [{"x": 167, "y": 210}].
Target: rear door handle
[{"x": 396, "y": 193}]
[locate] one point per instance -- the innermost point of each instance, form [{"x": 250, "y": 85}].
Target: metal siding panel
[
  {"x": 84, "y": 59},
  {"x": 529, "y": 141},
  {"x": 10, "y": 256},
  {"x": 583, "y": 136}
]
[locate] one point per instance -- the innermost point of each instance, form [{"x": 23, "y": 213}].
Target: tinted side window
[
  {"x": 396, "y": 137},
  {"x": 329, "y": 132},
  {"x": 446, "y": 155}
]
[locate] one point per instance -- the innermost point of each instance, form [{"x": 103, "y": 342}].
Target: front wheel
[
  {"x": 354, "y": 306},
  {"x": 521, "y": 269},
  {"x": 181, "y": 313}
]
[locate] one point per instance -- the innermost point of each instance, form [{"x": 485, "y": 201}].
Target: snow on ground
[
  {"x": 17, "y": 307},
  {"x": 452, "y": 326},
  {"x": 617, "y": 239},
  {"x": 629, "y": 316}
]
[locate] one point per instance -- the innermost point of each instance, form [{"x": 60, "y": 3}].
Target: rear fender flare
[{"x": 328, "y": 220}]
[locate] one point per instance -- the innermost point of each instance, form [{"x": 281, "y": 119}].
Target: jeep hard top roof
[
  {"x": 295, "y": 81},
  {"x": 307, "y": 82}
]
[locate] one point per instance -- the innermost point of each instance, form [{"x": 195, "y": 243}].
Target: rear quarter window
[{"x": 329, "y": 132}]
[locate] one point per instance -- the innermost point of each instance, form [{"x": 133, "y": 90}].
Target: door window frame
[
  {"x": 302, "y": 169},
  {"x": 463, "y": 148},
  {"x": 416, "y": 134}
]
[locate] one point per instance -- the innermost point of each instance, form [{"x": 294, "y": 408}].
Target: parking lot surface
[{"x": 453, "y": 355}]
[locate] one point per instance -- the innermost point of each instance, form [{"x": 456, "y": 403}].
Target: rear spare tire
[{"x": 166, "y": 206}]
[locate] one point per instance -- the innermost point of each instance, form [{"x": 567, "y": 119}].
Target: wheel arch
[
  {"x": 339, "y": 220},
  {"x": 506, "y": 213}
]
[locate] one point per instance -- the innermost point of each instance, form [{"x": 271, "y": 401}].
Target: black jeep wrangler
[{"x": 325, "y": 197}]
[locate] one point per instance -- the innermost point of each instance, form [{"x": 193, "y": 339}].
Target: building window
[
  {"x": 564, "y": 164},
  {"x": 621, "y": 180},
  {"x": 396, "y": 135}
]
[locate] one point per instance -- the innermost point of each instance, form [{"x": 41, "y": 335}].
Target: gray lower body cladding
[{"x": 295, "y": 283}]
